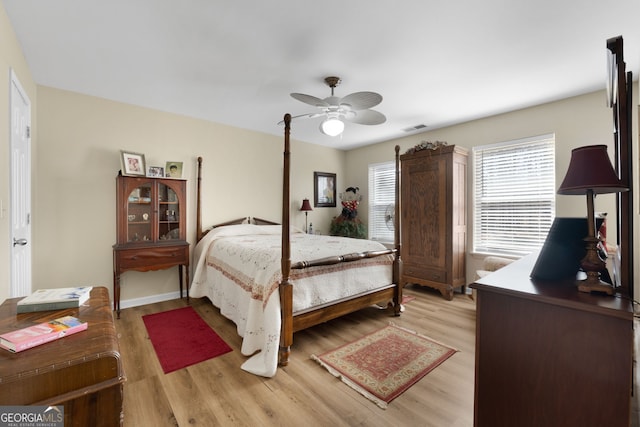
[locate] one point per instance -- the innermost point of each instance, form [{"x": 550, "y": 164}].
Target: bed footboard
[
  {"x": 292, "y": 323},
  {"x": 341, "y": 258}
]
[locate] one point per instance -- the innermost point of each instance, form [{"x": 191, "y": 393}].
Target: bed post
[
  {"x": 397, "y": 261},
  {"x": 198, "y": 206},
  {"x": 286, "y": 288}
]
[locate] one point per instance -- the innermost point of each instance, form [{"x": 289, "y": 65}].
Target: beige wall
[
  {"x": 578, "y": 121},
  {"x": 81, "y": 139},
  {"x": 11, "y": 58}
]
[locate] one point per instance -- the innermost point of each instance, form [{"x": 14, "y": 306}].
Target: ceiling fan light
[{"x": 332, "y": 126}]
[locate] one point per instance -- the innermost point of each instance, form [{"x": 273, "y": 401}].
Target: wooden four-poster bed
[{"x": 312, "y": 285}]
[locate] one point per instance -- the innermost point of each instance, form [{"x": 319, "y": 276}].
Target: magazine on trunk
[{"x": 42, "y": 333}]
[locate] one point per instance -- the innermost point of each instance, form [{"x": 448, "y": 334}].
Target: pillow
[{"x": 234, "y": 230}]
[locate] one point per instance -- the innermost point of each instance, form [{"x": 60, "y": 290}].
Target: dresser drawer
[{"x": 157, "y": 257}]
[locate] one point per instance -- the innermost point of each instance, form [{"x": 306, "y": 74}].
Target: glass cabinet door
[
  {"x": 169, "y": 213},
  {"x": 139, "y": 214}
]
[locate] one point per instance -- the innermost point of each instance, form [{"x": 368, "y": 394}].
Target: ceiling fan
[{"x": 353, "y": 108}]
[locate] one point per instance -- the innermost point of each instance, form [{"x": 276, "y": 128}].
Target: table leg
[{"x": 186, "y": 273}]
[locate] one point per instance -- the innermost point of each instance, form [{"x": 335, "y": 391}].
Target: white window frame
[
  {"x": 382, "y": 181},
  {"x": 514, "y": 195}
]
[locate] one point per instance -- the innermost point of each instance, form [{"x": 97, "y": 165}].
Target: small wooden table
[
  {"x": 83, "y": 372},
  {"x": 148, "y": 258}
]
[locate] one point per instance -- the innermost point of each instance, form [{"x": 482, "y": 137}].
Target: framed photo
[
  {"x": 324, "y": 190},
  {"x": 173, "y": 169},
  {"x": 132, "y": 164},
  {"x": 155, "y": 171}
]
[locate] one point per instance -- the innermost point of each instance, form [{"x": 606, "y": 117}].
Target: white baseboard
[{"x": 135, "y": 302}]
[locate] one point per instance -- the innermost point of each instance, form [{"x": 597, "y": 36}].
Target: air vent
[{"x": 414, "y": 128}]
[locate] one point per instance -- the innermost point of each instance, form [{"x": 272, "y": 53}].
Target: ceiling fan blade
[
  {"x": 332, "y": 101},
  {"x": 311, "y": 100},
  {"x": 368, "y": 117},
  {"x": 361, "y": 100},
  {"x": 302, "y": 116}
]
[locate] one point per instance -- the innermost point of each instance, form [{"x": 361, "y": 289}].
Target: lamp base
[
  {"x": 592, "y": 264},
  {"x": 596, "y": 285}
]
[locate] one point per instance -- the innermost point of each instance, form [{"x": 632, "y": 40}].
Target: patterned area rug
[
  {"x": 181, "y": 338},
  {"x": 385, "y": 363},
  {"x": 407, "y": 298}
]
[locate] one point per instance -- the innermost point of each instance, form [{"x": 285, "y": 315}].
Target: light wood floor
[{"x": 218, "y": 393}]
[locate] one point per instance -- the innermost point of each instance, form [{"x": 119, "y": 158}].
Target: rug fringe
[{"x": 381, "y": 403}]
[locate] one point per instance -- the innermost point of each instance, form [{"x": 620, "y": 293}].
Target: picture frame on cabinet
[
  {"x": 173, "y": 169},
  {"x": 133, "y": 164},
  {"x": 155, "y": 171},
  {"x": 324, "y": 190}
]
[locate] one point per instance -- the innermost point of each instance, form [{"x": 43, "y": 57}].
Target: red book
[{"x": 32, "y": 336}]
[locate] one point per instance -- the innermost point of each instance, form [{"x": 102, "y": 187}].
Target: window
[
  {"x": 382, "y": 182},
  {"x": 514, "y": 195}
]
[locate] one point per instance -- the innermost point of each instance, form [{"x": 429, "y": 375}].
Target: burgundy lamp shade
[
  {"x": 590, "y": 169},
  {"x": 306, "y": 206}
]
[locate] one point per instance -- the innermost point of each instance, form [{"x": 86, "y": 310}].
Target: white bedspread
[{"x": 238, "y": 269}]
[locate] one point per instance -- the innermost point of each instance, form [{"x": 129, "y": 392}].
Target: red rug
[
  {"x": 181, "y": 338},
  {"x": 384, "y": 364}
]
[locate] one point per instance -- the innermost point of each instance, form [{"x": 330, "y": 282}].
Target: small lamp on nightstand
[
  {"x": 590, "y": 172},
  {"x": 306, "y": 207}
]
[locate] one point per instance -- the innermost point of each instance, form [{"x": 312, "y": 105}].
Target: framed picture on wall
[
  {"x": 132, "y": 163},
  {"x": 324, "y": 190}
]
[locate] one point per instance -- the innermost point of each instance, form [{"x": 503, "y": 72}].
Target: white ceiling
[{"x": 436, "y": 63}]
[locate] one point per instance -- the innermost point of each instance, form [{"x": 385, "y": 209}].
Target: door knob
[{"x": 19, "y": 242}]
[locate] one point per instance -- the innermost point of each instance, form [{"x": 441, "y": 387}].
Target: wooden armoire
[{"x": 433, "y": 194}]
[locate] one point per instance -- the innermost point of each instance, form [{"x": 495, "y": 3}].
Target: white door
[{"x": 20, "y": 190}]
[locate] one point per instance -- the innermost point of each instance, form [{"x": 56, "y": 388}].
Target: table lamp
[
  {"x": 590, "y": 172},
  {"x": 306, "y": 207}
]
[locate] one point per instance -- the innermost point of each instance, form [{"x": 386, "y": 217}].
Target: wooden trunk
[{"x": 83, "y": 372}]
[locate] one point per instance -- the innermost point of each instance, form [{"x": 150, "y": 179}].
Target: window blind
[
  {"x": 514, "y": 198},
  {"x": 382, "y": 181}
]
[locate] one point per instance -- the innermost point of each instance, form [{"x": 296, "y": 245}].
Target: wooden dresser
[
  {"x": 434, "y": 218},
  {"x": 549, "y": 355},
  {"x": 83, "y": 371}
]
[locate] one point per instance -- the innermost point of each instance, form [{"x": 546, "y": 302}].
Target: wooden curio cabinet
[
  {"x": 434, "y": 218},
  {"x": 151, "y": 228}
]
